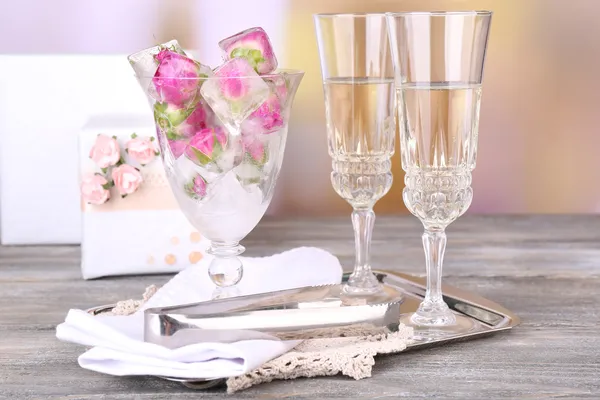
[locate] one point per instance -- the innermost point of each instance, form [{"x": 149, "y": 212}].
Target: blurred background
[{"x": 539, "y": 134}]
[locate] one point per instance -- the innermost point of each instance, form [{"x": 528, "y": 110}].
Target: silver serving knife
[{"x": 295, "y": 314}]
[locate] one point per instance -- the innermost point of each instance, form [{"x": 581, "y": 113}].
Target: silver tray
[{"x": 490, "y": 316}]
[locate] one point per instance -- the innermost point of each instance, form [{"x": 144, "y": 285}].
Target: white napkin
[{"x": 118, "y": 341}]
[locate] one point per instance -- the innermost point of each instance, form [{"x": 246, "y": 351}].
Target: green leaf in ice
[
  {"x": 159, "y": 116},
  {"x": 160, "y": 107},
  {"x": 202, "y": 158},
  {"x": 263, "y": 160},
  {"x": 171, "y": 135},
  {"x": 176, "y": 117},
  {"x": 253, "y": 56},
  {"x": 235, "y": 107}
]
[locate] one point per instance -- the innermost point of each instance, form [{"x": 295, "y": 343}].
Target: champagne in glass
[
  {"x": 438, "y": 60},
  {"x": 360, "y": 114},
  {"x": 358, "y": 81}
]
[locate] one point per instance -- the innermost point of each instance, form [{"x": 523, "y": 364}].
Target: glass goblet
[
  {"x": 222, "y": 174},
  {"x": 360, "y": 109},
  {"x": 438, "y": 60}
]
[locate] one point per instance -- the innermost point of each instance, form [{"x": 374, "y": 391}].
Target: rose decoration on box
[
  {"x": 105, "y": 152},
  {"x": 115, "y": 174},
  {"x": 141, "y": 150},
  {"x": 94, "y": 189}
]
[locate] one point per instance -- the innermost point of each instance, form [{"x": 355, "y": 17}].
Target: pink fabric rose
[
  {"x": 176, "y": 79},
  {"x": 141, "y": 150},
  {"x": 127, "y": 179},
  {"x": 105, "y": 151},
  {"x": 93, "y": 189}
]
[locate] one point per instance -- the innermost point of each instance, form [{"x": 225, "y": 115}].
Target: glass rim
[
  {"x": 357, "y": 14},
  {"x": 277, "y": 73},
  {"x": 439, "y": 13}
]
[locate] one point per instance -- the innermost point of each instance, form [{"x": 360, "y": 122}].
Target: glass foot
[
  {"x": 362, "y": 284},
  {"x": 373, "y": 294},
  {"x": 444, "y": 328}
]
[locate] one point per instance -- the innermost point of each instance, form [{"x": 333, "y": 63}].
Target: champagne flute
[
  {"x": 438, "y": 60},
  {"x": 358, "y": 81}
]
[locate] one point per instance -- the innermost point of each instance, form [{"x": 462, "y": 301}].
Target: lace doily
[{"x": 352, "y": 356}]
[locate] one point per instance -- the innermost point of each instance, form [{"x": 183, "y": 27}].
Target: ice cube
[
  {"x": 206, "y": 145},
  {"x": 235, "y": 91},
  {"x": 266, "y": 119},
  {"x": 187, "y": 170},
  {"x": 279, "y": 85},
  {"x": 196, "y": 187},
  {"x": 248, "y": 174},
  {"x": 145, "y": 64},
  {"x": 253, "y": 45},
  {"x": 179, "y": 123},
  {"x": 200, "y": 118},
  {"x": 178, "y": 78},
  {"x": 177, "y": 147},
  {"x": 255, "y": 149}
]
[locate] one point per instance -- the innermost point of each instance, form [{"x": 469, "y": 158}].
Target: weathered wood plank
[
  {"x": 477, "y": 245},
  {"x": 555, "y": 352},
  {"x": 545, "y": 268}
]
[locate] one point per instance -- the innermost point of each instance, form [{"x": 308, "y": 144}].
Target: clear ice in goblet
[{"x": 223, "y": 174}]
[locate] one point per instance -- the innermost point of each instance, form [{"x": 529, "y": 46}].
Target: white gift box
[
  {"x": 67, "y": 89},
  {"x": 143, "y": 233}
]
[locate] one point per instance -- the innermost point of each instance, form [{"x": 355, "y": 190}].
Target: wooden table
[{"x": 544, "y": 268}]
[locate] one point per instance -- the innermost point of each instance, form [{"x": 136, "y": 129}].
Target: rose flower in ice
[
  {"x": 197, "y": 187},
  {"x": 177, "y": 147},
  {"x": 127, "y": 179},
  {"x": 254, "y": 147},
  {"x": 176, "y": 79},
  {"x": 197, "y": 120},
  {"x": 235, "y": 91},
  {"x": 206, "y": 145},
  {"x": 141, "y": 150},
  {"x": 94, "y": 189},
  {"x": 253, "y": 45},
  {"x": 105, "y": 151},
  {"x": 266, "y": 119}
]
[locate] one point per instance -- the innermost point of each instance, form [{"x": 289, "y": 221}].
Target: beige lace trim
[{"x": 352, "y": 356}]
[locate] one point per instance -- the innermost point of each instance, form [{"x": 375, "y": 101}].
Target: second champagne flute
[{"x": 358, "y": 80}]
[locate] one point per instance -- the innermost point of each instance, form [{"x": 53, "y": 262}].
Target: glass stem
[
  {"x": 362, "y": 280},
  {"x": 363, "y": 221},
  {"x": 225, "y": 269},
  {"x": 434, "y": 244}
]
